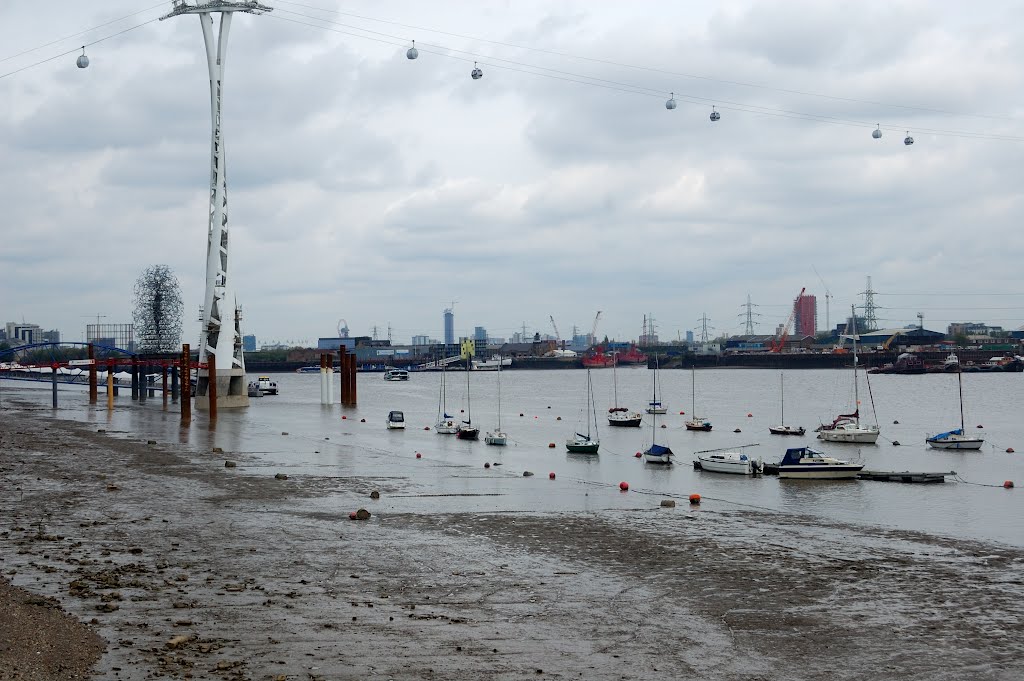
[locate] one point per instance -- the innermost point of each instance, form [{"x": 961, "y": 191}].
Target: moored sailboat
[
  {"x": 696, "y": 422},
  {"x": 956, "y": 439},
  {"x": 621, "y": 416},
  {"x": 847, "y": 427},
  {"x": 782, "y": 428},
  {"x": 657, "y": 453},
  {"x": 445, "y": 424},
  {"x": 586, "y": 444},
  {"x": 497, "y": 436},
  {"x": 467, "y": 431}
]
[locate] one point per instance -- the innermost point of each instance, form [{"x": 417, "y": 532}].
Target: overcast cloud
[{"x": 372, "y": 188}]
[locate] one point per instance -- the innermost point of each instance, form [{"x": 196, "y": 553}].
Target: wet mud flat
[{"x": 188, "y": 569}]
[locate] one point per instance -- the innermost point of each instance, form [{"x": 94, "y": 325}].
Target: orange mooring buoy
[
  {"x": 624, "y": 486},
  {"x": 695, "y": 499}
]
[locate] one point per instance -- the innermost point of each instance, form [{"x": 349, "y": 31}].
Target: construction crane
[
  {"x": 780, "y": 340},
  {"x": 558, "y": 336},
  {"x": 828, "y": 296}
]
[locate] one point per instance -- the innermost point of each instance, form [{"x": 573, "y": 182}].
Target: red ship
[
  {"x": 596, "y": 359},
  {"x": 631, "y": 356}
]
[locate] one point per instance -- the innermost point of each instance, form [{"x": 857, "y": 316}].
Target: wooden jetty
[{"x": 904, "y": 476}]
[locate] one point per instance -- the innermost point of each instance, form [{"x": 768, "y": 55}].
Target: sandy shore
[{"x": 188, "y": 569}]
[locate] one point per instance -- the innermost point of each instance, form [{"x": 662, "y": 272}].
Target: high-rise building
[
  {"x": 689, "y": 336},
  {"x": 480, "y": 337},
  {"x": 449, "y": 326},
  {"x": 249, "y": 343},
  {"x": 806, "y": 319}
]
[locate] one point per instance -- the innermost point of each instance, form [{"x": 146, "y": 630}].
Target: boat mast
[
  {"x": 499, "y": 393},
  {"x": 615, "y": 378},
  {"x": 782, "y": 396},
  {"x": 654, "y": 405},
  {"x": 469, "y": 402},
  {"x": 593, "y": 407},
  {"x": 960, "y": 385},
  {"x": 856, "y": 396},
  {"x": 442, "y": 406},
  {"x": 693, "y": 393}
]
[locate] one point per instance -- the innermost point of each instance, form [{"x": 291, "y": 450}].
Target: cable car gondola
[
  {"x": 908, "y": 140},
  {"x": 412, "y": 52},
  {"x": 82, "y": 61},
  {"x": 671, "y": 103},
  {"x": 877, "y": 134},
  {"x": 714, "y": 115},
  {"x": 476, "y": 73}
]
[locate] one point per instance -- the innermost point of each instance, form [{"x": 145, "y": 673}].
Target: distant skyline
[{"x": 373, "y": 188}]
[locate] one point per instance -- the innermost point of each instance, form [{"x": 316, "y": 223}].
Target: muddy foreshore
[{"x": 188, "y": 569}]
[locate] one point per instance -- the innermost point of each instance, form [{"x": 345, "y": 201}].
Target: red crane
[{"x": 779, "y": 341}]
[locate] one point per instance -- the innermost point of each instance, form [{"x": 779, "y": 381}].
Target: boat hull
[
  {"x": 630, "y": 421},
  {"x": 582, "y": 447},
  {"x": 703, "y": 427},
  {"x": 395, "y": 426},
  {"x": 735, "y": 466},
  {"x": 961, "y": 443},
  {"x": 468, "y": 433},
  {"x": 662, "y": 459},
  {"x": 497, "y": 439},
  {"x": 446, "y": 428},
  {"x": 656, "y": 410},
  {"x": 786, "y": 430},
  {"x": 862, "y": 437}
]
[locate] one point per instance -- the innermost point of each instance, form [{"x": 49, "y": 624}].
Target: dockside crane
[
  {"x": 828, "y": 296},
  {"x": 558, "y": 336},
  {"x": 593, "y": 329},
  {"x": 780, "y": 340}
]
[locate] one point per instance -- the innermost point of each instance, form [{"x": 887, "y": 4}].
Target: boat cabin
[
  {"x": 805, "y": 456},
  {"x": 396, "y": 417}
]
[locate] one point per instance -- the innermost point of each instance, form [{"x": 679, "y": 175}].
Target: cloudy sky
[{"x": 369, "y": 187}]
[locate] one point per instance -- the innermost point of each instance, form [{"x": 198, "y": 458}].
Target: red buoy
[
  {"x": 1009, "y": 450},
  {"x": 664, "y": 426},
  {"x": 426, "y": 427},
  {"x": 551, "y": 476},
  {"x": 1008, "y": 484},
  {"x": 682, "y": 413},
  {"x": 749, "y": 415},
  {"x": 418, "y": 455},
  {"x": 624, "y": 486},
  {"x": 343, "y": 417},
  {"x": 551, "y": 445},
  {"x": 695, "y": 499},
  {"x": 638, "y": 455},
  {"x": 352, "y": 515}
]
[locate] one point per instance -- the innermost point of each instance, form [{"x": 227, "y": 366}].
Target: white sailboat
[
  {"x": 446, "y": 424},
  {"x": 695, "y": 422},
  {"x": 956, "y": 439},
  {"x": 657, "y": 453},
  {"x": 497, "y": 436},
  {"x": 782, "y": 428},
  {"x": 847, "y": 427},
  {"x": 621, "y": 416},
  {"x": 586, "y": 444}
]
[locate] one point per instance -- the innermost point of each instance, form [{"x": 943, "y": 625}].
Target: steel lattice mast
[{"x": 221, "y": 334}]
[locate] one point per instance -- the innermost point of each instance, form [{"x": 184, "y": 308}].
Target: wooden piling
[
  {"x": 342, "y": 356},
  {"x": 93, "y": 388},
  {"x": 54, "y": 368},
  {"x": 352, "y": 379},
  {"x": 211, "y": 390},
  {"x": 186, "y": 384},
  {"x": 110, "y": 384},
  {"x": 135, "y": 378},
  {"x": 163, "y": 382}
]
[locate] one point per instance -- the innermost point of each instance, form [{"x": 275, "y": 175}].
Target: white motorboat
[
  {"x": 396, "y": 375},
  {"x": 847, "y": 428},
  {"x": 727, "y": 461},
  {"x": 495, "y": 363},
  {"x": 396, "y": 420},
  {"x": 956, "y": 439},
  {"x": 267, "y": 387},
  {"x": 810, "y": 464}
]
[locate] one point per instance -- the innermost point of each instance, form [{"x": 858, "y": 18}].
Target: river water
[{"x": 542, "y": 407}]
